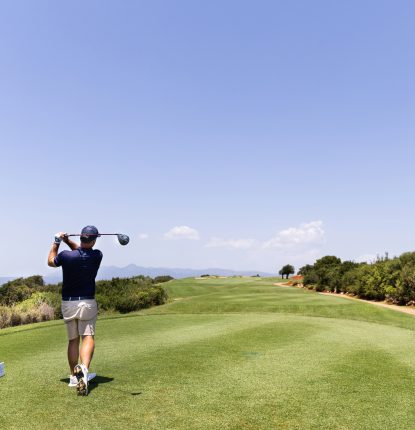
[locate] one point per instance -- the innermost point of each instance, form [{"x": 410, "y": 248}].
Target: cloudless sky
[{"x": 244, "y": 121}]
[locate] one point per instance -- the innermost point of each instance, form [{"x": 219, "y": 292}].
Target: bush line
[
  {"x": 29, "y": 300},
  {"x": 390, "y": 279}
]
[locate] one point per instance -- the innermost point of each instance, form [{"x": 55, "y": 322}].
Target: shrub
[
  {"x": 310, "y": 279},
  {"x": 47, "y": 312},
  {"x": 11, "y": 294},
  {"x": 5, "y": 316},
  {"x": 129, "y": 294},
  {"x": 350, "y": 282},
  {"x": 31, "y": 316},
  {"x": 319, "y": 287},
  {"x": 105, "y": 302},
  {"x": 160, "y": 296},
  {"x": 46, "y": 300},
  {"x": 130, "y": 304},
  {"x": 17, "y": 317},
  {"x": 124, "y": 305},
  {"x": 140, "y": 300},
  {"x": 405, "y": 286},
  {"x": 20, "y": 289},
  {"x": 390, "y": 279},
  {"x": 28, "y": 300},
  {"x": 164, "y": 278}
]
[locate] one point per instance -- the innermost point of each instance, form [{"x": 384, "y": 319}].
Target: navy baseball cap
[{"x": 89, "y": 233}]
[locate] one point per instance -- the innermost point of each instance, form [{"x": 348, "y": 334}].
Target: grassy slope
[{"x": 224, "y": 354}]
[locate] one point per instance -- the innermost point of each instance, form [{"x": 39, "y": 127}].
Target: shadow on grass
[
  {"x": 94, "y": 382},
  {"x": 98, "y": 380}
]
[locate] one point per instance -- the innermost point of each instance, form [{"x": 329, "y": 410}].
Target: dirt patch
[{"x": 283, "y": 284}]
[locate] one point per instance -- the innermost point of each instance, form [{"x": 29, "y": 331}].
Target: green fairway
[{"x": 237, "y": 353}]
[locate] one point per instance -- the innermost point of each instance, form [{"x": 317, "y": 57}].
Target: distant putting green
[{"x": 237, "y": 353}]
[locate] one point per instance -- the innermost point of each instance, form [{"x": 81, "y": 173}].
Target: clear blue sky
[{"x": 238, "y": 134}]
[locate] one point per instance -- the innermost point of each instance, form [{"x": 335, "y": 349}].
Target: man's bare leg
[
  {"x": 73, "y": 353},
  {"x": 87, "y": 350}
]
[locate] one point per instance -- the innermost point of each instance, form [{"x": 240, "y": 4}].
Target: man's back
[{"x": 79, "y": 269}]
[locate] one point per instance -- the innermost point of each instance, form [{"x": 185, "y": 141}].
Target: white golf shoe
[{"x": 73, "y": 380}]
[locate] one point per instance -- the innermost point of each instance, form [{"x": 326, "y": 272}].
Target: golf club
[{"x": 123, "y": 239}]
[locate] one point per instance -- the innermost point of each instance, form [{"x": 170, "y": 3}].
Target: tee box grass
[{"x": 236, "y": 353}]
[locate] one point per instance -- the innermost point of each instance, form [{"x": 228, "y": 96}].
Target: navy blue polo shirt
[{"x": 79, "y": 268}]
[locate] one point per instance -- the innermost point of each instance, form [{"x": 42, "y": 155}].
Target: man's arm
[
  {"x": 52, "y": 254},
  {"x": 59, "y": 237},
  {"x": 70, "y": 242}
]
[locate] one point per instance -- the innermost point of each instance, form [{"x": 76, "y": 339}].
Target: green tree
[
  {"x": 327, "y": 261},
  {"x": 287, "y": 270},
  {"x": 305, "y": 270},
  {"x": 387, "y": 278}
]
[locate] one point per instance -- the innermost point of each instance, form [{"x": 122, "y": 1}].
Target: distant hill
[
  {"x": 133, "y": 270},
  {"x": 108, "y": 272}
]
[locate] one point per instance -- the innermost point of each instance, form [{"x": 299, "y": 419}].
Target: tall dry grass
[{"x": 14, "y": 316}]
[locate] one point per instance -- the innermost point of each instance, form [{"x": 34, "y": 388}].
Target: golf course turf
[{"x": 236, "y": 353}]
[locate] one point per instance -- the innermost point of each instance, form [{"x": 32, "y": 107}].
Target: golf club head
[{"x": 123, "y": 239}]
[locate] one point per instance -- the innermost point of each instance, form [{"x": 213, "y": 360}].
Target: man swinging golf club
[{"x": 79, "y": 308}]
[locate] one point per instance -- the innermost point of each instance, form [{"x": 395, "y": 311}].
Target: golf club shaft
[
  {"x": 123, "y": 239},
  {"x": 100, "y": 234}
]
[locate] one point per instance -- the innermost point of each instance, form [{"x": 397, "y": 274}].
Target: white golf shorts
[{"x": 80, "y": 317}]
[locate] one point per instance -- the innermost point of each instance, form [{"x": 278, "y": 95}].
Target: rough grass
[{"x": 234, "y": 353}]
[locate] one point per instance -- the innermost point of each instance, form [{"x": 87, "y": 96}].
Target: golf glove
[{"x": 58, "y": 238}]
